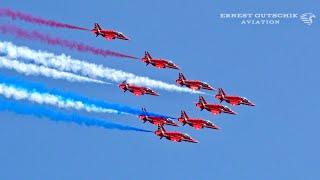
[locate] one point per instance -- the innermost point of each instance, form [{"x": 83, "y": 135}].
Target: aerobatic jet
[
  {"x": 196, "y": 122},
  {"x": 193, "y": 84},
  {"x": 213, "y": 108},
  {"x": 108, "y": 34},
  {"x": 158, "y": 62},
  {"x": 136, "y": 90},
  {"x": 233, "y": 100},
  {"x": 156, "y": 120},
  {"x": 174, "y": 136}
]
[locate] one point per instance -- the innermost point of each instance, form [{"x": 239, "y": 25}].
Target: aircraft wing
[
  {"x": 214, "y": 112},
  {"x": 175, "y": 138},
  {"x": 197, "y": 126},
  {"x": 160, "y": 65},
  {"x": 138, "y": 93},
  {"x": 194, "y": 87},
  {"x": 108, "y": 37}
]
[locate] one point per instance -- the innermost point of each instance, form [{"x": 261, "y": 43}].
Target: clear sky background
[{"x": 277, "y": 67}]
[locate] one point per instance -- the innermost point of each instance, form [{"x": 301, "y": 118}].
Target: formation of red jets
[{"x": 159, "y": 121}]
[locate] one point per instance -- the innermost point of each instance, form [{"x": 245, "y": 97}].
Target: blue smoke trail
[
  {"x": 44, "y": 112},
  {"x": 41, "y": 89}
]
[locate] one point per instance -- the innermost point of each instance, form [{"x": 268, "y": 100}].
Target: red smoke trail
[
  {"x": 37, "y": 20},
  {"x": 35, "y": 35}
]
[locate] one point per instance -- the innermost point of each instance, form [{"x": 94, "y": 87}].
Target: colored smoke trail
[
  {"x": 35, "y": 35},
  {"x": 66, "y": 63},
  {"x": 47, "y": 113},
  {"x": 18, "y": 93},
  {"x": 36, "y": 20},
  {"x": 22, "y": 90},
  {"x": 31, "y": 69}
]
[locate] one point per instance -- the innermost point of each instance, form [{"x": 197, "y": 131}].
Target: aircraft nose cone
[
  {"x": 195, "y": 141},
  {"x": 125, "y": 37}
]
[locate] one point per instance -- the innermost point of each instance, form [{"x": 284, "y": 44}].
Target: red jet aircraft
[
  {"x": 196, "y": 123},
  {"x": 174, "y": 136},
  {"x": 136, "y": 90},
  {"x": 156, "y": 120},
  {"x": 159, "y": 63},
  {"x": 192, "y": 84},
  {"x": 213, "y": 108},
  {"x": 108, "y": 34},
  {"x": 233, "y": 100}
]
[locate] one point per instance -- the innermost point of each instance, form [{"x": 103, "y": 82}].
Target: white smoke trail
[
  {"x": 17, "y": 93},
  {"x": 66, "y": 63},
  {"x": 31, "y": 69}
]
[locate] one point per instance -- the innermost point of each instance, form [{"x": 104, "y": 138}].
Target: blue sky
[{"x": 276, "y": 67}]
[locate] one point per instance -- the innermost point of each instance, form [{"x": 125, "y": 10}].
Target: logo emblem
[{"x": 307, "y": 18}]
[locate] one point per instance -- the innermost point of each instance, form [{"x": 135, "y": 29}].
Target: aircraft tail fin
[
  {"x": 124, "y": 82},
  {"x": 97, "y": 26},
  {"x": 181, "y": 76},
  {"x": 184, "y": 115},
  {"x": 147, "y": 55},
  {"x": 221, "y": 92},
  {"x": 97, "y": 29},
  {"x": 202, "y": 100},
  {"x": 161, "y": 128},
  {"x": 144, "y": 110}
]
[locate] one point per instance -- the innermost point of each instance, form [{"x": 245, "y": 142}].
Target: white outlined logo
[
  {"x": 307, "y": 18},
  {"x": 275, "y": 18}
]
